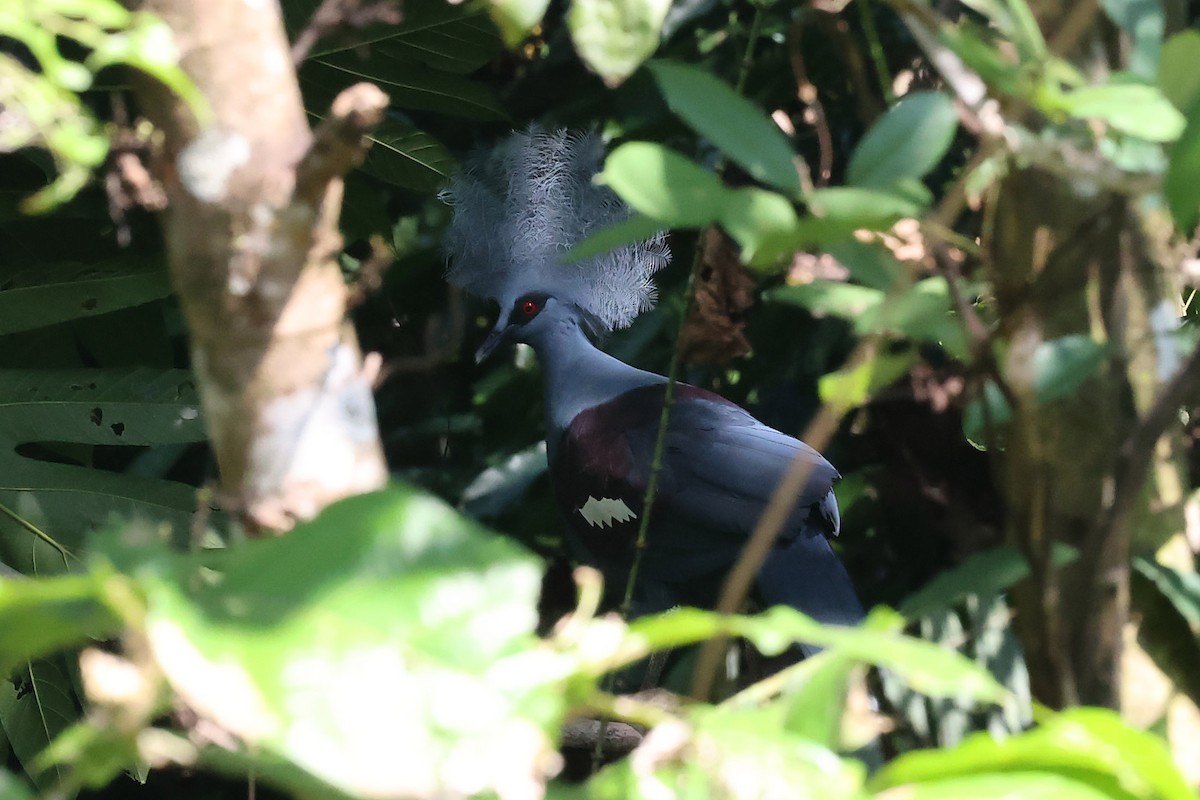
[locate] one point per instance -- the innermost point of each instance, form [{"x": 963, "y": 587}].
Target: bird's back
[{"x": 719, "y": 468}]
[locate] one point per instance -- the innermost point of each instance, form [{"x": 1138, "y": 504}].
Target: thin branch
[
  {"x": 339, "y": 141},
  {"x": 807, "y": 94},
  {"x": 36, "y": 531}
]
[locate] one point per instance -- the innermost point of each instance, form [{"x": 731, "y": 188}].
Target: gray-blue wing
[{"x": 720, "y": 467}]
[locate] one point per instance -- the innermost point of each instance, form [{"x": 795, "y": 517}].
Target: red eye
[{"x": 529, "y": 308}]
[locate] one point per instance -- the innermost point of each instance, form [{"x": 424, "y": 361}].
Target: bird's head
[{"x": 531, "y": 317}]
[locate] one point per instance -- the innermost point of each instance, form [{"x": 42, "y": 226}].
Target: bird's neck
[{"x": 578, "y": 375}]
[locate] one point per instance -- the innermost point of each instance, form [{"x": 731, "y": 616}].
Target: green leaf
[
  {"x": 1133, "y": 108},
  {"x": 68, "y": 502},
  {"x": 407, "y": 156},
  {"x": 922, "y": 313},
  {"x": 637, "y": 228},
  {"x": 13, "y": 788},
  {"x": 745, "y": 754},
  {"x": 823, "y": 298},
  {"x": 1090, "y": 745},
  {"x": 925, "y": 666},
  {"x": 614, "y": 37},
  {"x": 388, "y": 619},
  {"x": 1178, "y": 77},
  {"x": 450, "y": 37},
  {"x": 1182, "y": 183},
  {"x": 763, "y": 223},
  {"x": 134, "y": 406},
  {"x": 851, "y": 386},
  {"x": 1006, "y": 786},
  {"x": 1142, "y": 21},
  {"x": 735, "y": 125},
  {"x": 907, "y": 142},
  {"x": 38, "y": 296},
  {"x": 38, "y": 617},
  {"x": 981, "y": 574},
  {"x": 815, "y": 698},
  {"x": 33, "y": 711},
  {"x": 864, "y": 208},
  {"x": 515, "y": 18},
  {"x": 409, "y": 84},
  {"x": 665, "y": 186}
]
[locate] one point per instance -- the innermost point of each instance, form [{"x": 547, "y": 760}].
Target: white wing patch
[{"x": 604, "y": 512}]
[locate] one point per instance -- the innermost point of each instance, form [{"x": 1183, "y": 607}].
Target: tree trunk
[{"x": 252, "y": 244}]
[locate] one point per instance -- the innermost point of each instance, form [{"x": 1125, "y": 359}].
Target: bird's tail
[{"x": 807, "y": 575}]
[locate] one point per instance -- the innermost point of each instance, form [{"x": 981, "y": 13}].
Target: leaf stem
[{"x": 37, "y": 532}]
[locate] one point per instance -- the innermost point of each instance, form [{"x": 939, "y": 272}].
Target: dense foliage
[{"x": 849, "y": 189}]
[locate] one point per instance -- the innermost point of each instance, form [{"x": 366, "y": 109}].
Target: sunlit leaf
[
  {"x": 1136, "y": 109},
  {"x": 862, "y": 207},
  {"x": 1090, "y": 745},
  {"x": 614, "y": 37},
  {"x": 515, "y": 18},
  {"x": 665, "y": 186},
  {"x": 38, "y": 617},
  {"x": 735, "y": 125},
  {"x": 907, "y": 142},
  {"x": 388, "y": 619}
]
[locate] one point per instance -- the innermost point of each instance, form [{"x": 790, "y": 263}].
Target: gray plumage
[{"x": 517, "y": 211}]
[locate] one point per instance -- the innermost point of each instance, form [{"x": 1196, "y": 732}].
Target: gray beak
[{"x": 497, "y": 337}]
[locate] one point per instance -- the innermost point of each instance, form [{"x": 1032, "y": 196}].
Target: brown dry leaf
[{"x": 714, "y": 332}]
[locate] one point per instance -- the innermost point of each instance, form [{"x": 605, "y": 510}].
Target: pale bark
[{"x": 252, "y": 241}]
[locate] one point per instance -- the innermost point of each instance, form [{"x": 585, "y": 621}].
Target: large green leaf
[
  {"x": 451, "y": 37},
  {"x": 665, "y": 186},
  {"x": 38, "y": 617},
  {"x": 386, "y": 647},
  {"x": 614, "y": 37},
  {"x": 908, "y": 142},
  {"x": 866, "y": 207},
  {"x": 135, "y": 406},
  {"x": 731, "y": 122},
  {"x": 1090, "y": 745},
  {"x": 1178, "y": 77},
  {"x": 46, "y": 294},
  {"x": 67, "y": 502},
  {"x": 408, "y": 157},
  {"x": 1134, "y": 108},
  {"x": 33, "y": 710},
  {"x": 1182, "y": 183},
  {"x": 985, "y": 573},
  {"x": 922, "y": 312},
  {"x": 515, "y": 18},
  {"x": 924, "y": 666}
]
